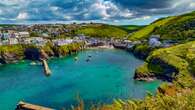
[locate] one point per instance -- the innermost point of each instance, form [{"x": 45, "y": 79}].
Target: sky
[{"x": 119, "y": 12}]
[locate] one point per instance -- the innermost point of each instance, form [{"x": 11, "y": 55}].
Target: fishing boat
[
  {"x": 33, "y": 63},
  {"x": 76, "y": 58},
  {"x": 88, "y": 59}
]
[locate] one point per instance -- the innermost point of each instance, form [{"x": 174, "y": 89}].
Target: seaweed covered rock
[
  {"x": 142, "y": 73},
  {"x": 11, "y": 54}
]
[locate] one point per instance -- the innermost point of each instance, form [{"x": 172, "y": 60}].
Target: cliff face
[
  {"x": 43, "y": 54},
  {"x": 32, "y": 53},
  {"x": 9, "y": 54},
  {"x": 9, "y": 57},
  {"x": 68, "y": 49},
  {"x": 156, "y": 68},
  {"x": 171, "y": 63},
  {"x": 12, "y": 54},
  {"x": 141, "y": 51}
]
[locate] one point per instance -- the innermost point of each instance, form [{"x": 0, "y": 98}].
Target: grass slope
[
  {"x": 177, "y": 62},
  {"x": 131, "y": 28},
  {"x": 146, "y": 31},
  {"x": 175, "y": 27},
  {"x": 102, "y": 31}
]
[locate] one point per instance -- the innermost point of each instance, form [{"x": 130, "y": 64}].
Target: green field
[
  {"x": 174, "y": 27},
  {"x": 131, "y": 28},
  {"x": 102, "y": 31}
]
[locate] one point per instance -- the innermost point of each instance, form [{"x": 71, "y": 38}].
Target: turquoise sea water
[{"x": 108, "y": 75}]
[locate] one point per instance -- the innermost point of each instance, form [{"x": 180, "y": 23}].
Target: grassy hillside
[
  {"x": 180, "y": 28},
  {"x": 7, "y": 25},
  {"x": 146, "y": 31},
  {"x": 181, "y": 101},
  {"x": 176, "y": 63},
  {"x": 102, "y": 31},
  {"x": 175, "y": 27},
  {"x": 131, "y": 28}
]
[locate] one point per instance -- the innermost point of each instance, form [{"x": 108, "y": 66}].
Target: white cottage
[
  {"x": 24, "y": 34},
  {"x": 13, "y": 41}
]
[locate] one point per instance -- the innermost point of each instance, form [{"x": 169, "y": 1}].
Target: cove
[{"x": 108, "y": 76}]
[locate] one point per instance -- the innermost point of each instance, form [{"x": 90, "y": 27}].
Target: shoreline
[
  {"x": 101, "y": 47},
  {"x": 34, "y": 62}
]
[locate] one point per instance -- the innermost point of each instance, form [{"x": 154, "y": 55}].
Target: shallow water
[{"x": 108, "y": 75}]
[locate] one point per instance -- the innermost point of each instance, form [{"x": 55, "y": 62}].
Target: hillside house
[
  {"x": 61, "y": 42},
  {"x": 38, "y": 41},
  {"x": 13, "y": 41},
  {"x": 154, "y": 41},
  {"x": 24, "y": 34}
]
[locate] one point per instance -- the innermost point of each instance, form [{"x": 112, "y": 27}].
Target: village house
[
  {"x": 5, "y": 42},
  {"x": 95, "y": 42},
  {"x": 81, "y": 37},
  {"x": 38, "y": 41},
  {"x": 61, "y": 42},
  {"x": 5, "y": 36},
  {"x": 45, "y": 34},
  {"x": 13, "y": 41},
  {"x": 154, "y": 41},
  {"x": 129, "y": 44},
  {"x": 24, "y": 34},
  {"x": 17, "y": 35}
]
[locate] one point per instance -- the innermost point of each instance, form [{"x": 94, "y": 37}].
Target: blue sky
[{"x": 139, "y": 12}]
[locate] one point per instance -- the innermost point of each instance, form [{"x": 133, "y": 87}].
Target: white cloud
[
  {"x": 1, "y": 11},
  {"x": 67, "y": 17},
  {"x": 107, "y": 10},
  {"x": 126, "y": 13},
  {"x": 143, "y": 18},
  {"x": 12, "y": 2},
  {"x": 146, "y": 17},
  {"x": 100, "y": 9},
  {"x": 22, "y": 15},
  {"x": 192, "y": 4},
  {"x": 54, "y": 8}
]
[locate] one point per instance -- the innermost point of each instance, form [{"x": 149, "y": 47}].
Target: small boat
[
  {"x": 76, "y": 58},
  {"x": 87, "y": 60},
  {"x": 33, "y": 63}
]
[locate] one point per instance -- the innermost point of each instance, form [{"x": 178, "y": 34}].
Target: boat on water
[
  {"x": 89, "y": 56},
  {"x": 76, "y": 58},
  {"x": 33, "y": 63},
  {"x": 87, "y": 60}
]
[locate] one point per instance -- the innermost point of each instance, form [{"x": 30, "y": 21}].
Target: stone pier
[
  {"x": 46, "y": 67},
  {"x": 27, "y": 106}
]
